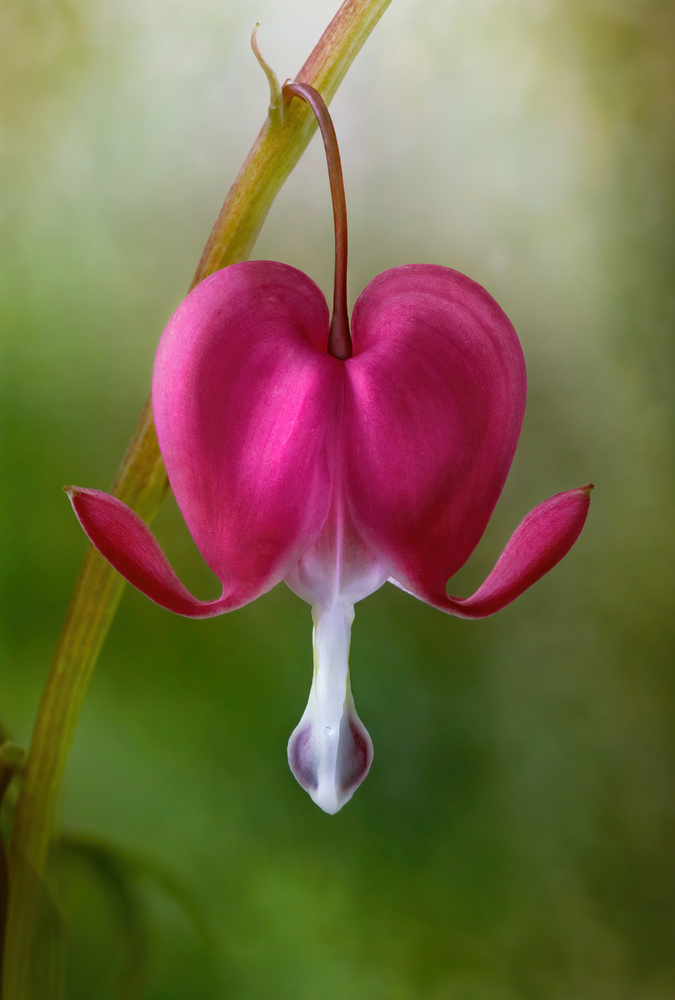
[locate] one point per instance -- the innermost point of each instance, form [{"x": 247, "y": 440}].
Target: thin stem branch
[
  {"x": 141, "y": 482},
  {"x": 339, "y": 340}
]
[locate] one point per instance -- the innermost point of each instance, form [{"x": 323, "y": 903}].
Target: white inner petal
[{"x": 329, "y": 751}]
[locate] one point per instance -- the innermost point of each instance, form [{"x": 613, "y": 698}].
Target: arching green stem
[
  {"x": 339, "y": 339},
  {"x": 141, "y": 482}
]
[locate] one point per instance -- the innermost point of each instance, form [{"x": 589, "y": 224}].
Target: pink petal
[
  {"x": 127, "y": 543},
  {"x": 538, "y": 543},
  {"x": 244, "y": 399},
  {"x": 435, "y": 396}
]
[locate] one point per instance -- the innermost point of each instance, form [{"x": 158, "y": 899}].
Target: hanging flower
[{"x": 335, "y": 460}]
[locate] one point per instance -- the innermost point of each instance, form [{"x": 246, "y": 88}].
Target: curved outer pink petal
[
  {"x": 244, "y": 398},
  {"x": 538, "y": 543},
  {"x": 434, "y": 401},
  {"x": 128, "y": 544}
]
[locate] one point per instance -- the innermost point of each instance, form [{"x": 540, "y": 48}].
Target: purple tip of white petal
[{"x": 330, "y": 764}]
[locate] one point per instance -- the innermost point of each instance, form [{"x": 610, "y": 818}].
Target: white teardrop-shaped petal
[{"x": 330, "y": 751}]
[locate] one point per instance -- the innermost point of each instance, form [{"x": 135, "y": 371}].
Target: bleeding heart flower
[{"x": 297, "y": 454}]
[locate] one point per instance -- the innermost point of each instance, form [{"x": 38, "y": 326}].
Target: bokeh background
[{"x": 515, "y": 838}]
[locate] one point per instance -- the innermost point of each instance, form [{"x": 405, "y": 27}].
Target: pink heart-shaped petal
[
  {"x": 434, "y": 405},
  {"x": 244, "y": 397}
]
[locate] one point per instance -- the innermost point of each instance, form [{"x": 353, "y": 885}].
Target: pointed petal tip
[
  {"x": 328, "y": 800},
  {"x": 80, "y": 495},
  {"x": 330, "y": 803}
]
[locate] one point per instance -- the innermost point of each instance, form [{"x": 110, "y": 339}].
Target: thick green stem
[{"x": 141, "y": 482}]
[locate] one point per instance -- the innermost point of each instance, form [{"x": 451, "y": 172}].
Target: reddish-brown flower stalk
[{"x": 339, "y": 339}]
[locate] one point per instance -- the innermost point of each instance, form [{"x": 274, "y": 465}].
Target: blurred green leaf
[{"x": 103, "y": 896}]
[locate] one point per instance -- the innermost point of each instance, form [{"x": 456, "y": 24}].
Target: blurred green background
[{"x": 515, "y": 838}]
